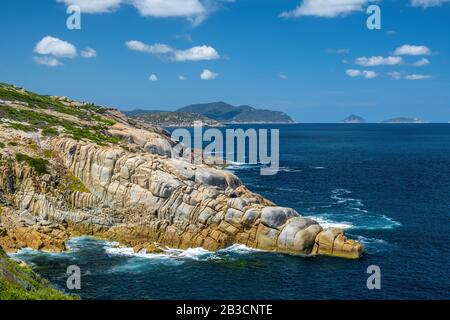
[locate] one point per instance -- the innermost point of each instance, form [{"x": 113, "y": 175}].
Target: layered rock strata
[{"x": 143, "y": 198}]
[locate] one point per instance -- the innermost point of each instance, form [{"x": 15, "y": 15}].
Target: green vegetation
[
  {"x": 39, "y": 165},
  {"x": 49, "y": 132},
  {"x": 96, "y": 134},
  {"x": 36, "y": 119},
  {"x": 226, "y": 113},
  {"x": 21, "y": 283},
  {"x": 22, "y": 127},
  {"x": 12, "y": 291},
  {"x": 48, "y": 153},
  {"x": 171, "y": 119},
  {"x": 36, "y": 101},
  {"x": 75, "y": 184},
  {"x": 2, "y": 145}
]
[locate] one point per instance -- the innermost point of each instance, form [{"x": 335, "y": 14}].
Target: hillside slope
[
  {"x": 226, "y": 113},
  {"x": 171, "y": 119},
  {"x": 19, "y": 282}
]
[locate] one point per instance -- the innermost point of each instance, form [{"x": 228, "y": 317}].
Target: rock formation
[{"x": 134, "y": 193}]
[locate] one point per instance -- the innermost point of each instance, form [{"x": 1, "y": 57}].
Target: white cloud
[
  {"x": 88, "y": 53},
  {"x": 361, "y": 73},
  {"x": 147, "y": 8},
  {"x": 428, "y": 3},
  {"x": 417, "y": 77},
  {"x": 55, "y": 47},
  {"x": 369, "y": 74},
  {"x": 410, "y": 50},
  {"x": 378, "y": 61},
  {"x": 325, "y": 8},
  {"x": 395, "y": 75},
  {"x": 283, "y": 76},
  {"x": 169, "y": 8},
  {"x": 157, "y": 48},
  {"x": 353, "y": 72},
  {"x": 153, "y": 77},
  {"x": 208, "y": 75},
  {"x": 391, "y": 33},
  {"x": 199, "y": 53},
  {"x": 47, "y": 61},
  {"x": 196, "y": 11},
  {"x": 94, "y": 6},
  {"x": 422, "y": 62},
  {"x": 182, "y": 78}
]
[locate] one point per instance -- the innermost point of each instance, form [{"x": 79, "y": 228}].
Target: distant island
[
  {"x": 214, "y": 114},
  {"x": 172, "y": 119},
  {"x": 226, "y": 113},
  {"x": 353, "y": 119},
  {"x": 404, "y": 120}
]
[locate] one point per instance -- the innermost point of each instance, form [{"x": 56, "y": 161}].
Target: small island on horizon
[
  {"x": 353, "y": 119},
  {"x": 404, "y": 120}
]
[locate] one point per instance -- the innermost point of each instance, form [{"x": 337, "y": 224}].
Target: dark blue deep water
[{"x": 388, "y": 185}]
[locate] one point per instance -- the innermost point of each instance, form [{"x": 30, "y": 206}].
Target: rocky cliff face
[{"x": 134, "y": 193}]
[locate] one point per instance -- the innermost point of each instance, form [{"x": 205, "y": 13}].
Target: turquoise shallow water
[{"x": 387, "y": 185}]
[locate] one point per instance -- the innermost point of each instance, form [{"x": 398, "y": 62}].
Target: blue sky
[{"x": 318, "y": 61}]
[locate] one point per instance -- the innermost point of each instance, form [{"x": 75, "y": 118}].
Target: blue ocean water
[{"x": 387, "y": 185}]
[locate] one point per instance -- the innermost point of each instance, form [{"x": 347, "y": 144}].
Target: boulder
[
  {"x": 299, "y": 234},
  {"x": 234, "y": 217},
  {"x": 267, "y": 238},
  {"x": 211, "y": 177},
  {"x": 152, "y": 248},
  {"x": 250, "y": 217},
  {"x": 332, "y": 242},
  {"x": 28, "y": 218},
  {"x": 275, "y": 217}
]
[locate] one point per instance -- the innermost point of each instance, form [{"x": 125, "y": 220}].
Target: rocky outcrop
[
  {"x": 133, "y": 192},
  {"x": 177, "y": 204},
  {"x": 146, "y": 141}
]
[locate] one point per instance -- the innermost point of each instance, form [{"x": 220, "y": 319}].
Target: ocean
[{"x": 388, "y": 186}]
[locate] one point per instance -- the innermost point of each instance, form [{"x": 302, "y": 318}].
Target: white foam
[
  {"x": 374, "y": 245},
  {"x": 196, "y": 254},
  {"x": 327, "y": 223},
  {"x": 242, "y": 163},
  {"x": 287, "y": 169},
  {"x": 288, "y": 189},
  {"x": 240, "y": 249}
]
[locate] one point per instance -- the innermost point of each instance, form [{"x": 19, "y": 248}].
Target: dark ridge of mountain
[
  {"x": 226, "y": 113},
  {"x": 171, "y": 119},
  {"x": 353, "y": 119},
  {"x": 404, "y": 120}
]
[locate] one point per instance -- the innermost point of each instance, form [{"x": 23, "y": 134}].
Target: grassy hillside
[
  {"x": 18, "y": 282},
  {"x": 30, "y": 112}
]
